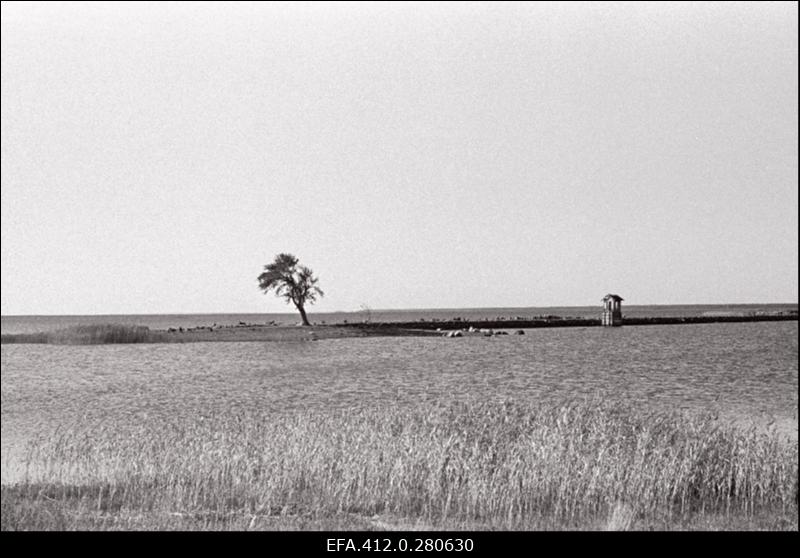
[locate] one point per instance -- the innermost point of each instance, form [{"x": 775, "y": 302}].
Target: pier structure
[{"x": 612, "y": 310}]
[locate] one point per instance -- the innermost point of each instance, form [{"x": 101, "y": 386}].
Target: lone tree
[{"x": 295, "y": 283}]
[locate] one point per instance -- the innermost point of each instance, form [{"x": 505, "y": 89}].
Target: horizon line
[{"x": 358, "y": 311}]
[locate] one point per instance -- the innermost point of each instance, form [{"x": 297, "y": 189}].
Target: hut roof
[{"x": 614, "y": 296}]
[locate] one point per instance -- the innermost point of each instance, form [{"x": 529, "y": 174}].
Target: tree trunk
[{"x": 303, "y": 314}]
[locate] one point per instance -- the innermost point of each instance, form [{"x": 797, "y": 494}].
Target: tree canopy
[{"x": 296, "y": 283}]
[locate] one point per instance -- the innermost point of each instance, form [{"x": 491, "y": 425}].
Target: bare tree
[{"x": 296, "y": 283}]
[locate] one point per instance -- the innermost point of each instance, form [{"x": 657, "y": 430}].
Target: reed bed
[
  {"x": 89, "y": 335},
  {"x": 476, "y": 465}
]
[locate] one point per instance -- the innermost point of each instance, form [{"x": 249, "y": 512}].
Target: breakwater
[{"x": 555, "y": 321}]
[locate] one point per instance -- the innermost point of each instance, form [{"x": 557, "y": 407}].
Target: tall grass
[
  {"x": 89, "y": 335},
  {"x": 483, "y": 465}
]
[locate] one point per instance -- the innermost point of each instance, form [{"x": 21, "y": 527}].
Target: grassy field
[{"x": 475, "y": 465}]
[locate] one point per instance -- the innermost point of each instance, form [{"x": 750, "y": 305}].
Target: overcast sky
[{"x": 156, "y": 156}]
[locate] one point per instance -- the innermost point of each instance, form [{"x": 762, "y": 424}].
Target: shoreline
[
  {"x": 421, "y": 328},
  {"x": 557, "y": 321},
  {"x": 256, "y": 332}
]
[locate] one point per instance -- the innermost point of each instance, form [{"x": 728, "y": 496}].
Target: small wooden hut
[{"x": 612, "y": 310}]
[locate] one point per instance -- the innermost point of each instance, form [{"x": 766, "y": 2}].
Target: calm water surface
[{"x": 746, "y": 370}]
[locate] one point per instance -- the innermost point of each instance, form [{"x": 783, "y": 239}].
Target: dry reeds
[
  {"x": 492, "y": 465},
  {"x": 96, "y": 334}
]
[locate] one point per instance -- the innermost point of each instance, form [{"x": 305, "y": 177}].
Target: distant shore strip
[{"x": 99, "y": 334}]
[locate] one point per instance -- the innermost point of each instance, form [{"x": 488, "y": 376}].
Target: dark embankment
[{"x": 556, "y": 321}]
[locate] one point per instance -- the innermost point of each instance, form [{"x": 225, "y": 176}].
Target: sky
[{"x": 155, "y": 156}]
